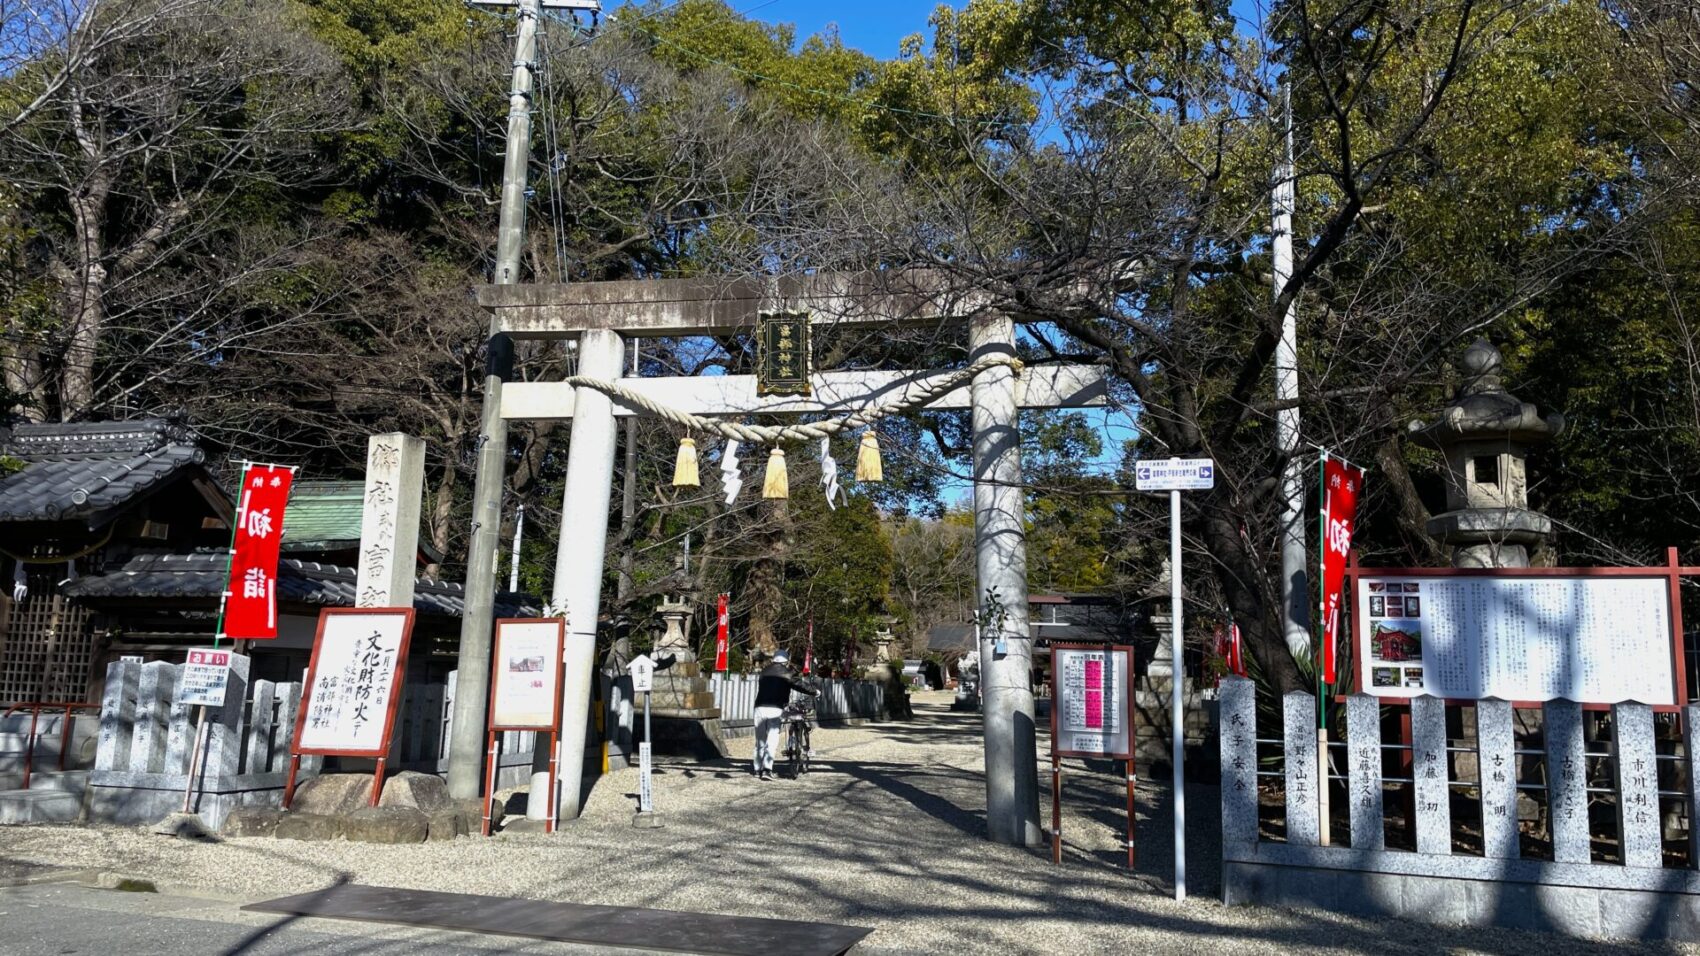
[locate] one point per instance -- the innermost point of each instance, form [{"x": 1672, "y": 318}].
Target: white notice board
[
  {"x": 1591, "y": 639},
  {"x": 527, "y": 674},
  {"x": 1090, "y": 707},
  {"x": 205, "y": 674},
  {"x": 354, "y": 682}
]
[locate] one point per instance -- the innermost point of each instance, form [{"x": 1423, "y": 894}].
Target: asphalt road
[{"x": 62, "y": 919}]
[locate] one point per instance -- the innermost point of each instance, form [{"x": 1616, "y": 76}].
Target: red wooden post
[
  {"x": 490, "y": 780},
  {"x": 378, "y": 781},
  {"x": 1130, "y": 818},
  {"x": 289, "y": 781}
]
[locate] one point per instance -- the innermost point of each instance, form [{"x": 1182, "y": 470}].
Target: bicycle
[{"x": 795, "y": 720}]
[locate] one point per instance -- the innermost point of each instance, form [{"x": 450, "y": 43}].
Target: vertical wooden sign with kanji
[
  {"x": 353, "y": 688},
  {"x": 250, "y": 600}
]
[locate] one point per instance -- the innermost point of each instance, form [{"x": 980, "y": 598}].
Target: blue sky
[{"x": 876, "y": 26}]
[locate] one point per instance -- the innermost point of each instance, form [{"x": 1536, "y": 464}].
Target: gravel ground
[{"x": 887, "y": 832}]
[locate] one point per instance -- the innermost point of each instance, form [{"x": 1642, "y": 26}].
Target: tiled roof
[
  {"x": 323, "y": 513},
  {"x": 300, "y": 582},
  {"x": 325, "y": 516},
  {"x": 82, "y": 471}
]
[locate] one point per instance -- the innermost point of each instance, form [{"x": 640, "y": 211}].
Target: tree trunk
[
  {"x": 442, "y": 516},
  {"x": 1242, "y": 582},
  {"x": 766, "y": 581}
]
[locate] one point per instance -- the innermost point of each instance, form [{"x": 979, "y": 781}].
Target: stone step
[
  {"x": 38, "y": 806},
  {"x": 65, "y": 781}
]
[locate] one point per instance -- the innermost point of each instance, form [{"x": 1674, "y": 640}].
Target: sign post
[
  {"x": 1091, "y": 717},
  {"x": 1174, "y": 476},
  {"x": 530, "y": 658},
  {"x": 206, "y": 673},
  {"x": 642, "y": 669}
]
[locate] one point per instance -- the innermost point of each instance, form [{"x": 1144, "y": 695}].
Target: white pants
[{"x": 767, "y": 737}]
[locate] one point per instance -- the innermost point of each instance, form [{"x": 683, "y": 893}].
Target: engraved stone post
[
  {"x": 154, "y": 693},
  {"x": 260, "y": 728},
  {"x": 179, "y": 738},
  {"x": 1567, "y": 779},
  {"x": 1434, "y": 796},
  {"x": 1497, "y": 760},
  {"x": 1298, "y": 711},
  {"x": 1637, "y": 784},
  {"x": 224, "y": 725},
  {"x": 1690, "y": 743},
  {"x": 117, "y": 716},
  {"x": 1363, "y": 741},
  {"x": 289, "y": 704},
  {"x": 1239, "y": 762},
  {"x": 389, "y": 520}
]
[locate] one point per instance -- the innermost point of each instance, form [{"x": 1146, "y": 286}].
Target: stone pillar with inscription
[
  {"x": 1485, "y": 435},
  {"x": 389, "y": 521}
]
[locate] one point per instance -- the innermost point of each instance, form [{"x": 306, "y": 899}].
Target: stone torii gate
[{"x": 603, "y": 315}]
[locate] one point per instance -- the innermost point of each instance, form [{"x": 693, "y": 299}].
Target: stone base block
[
  {"x": 1583, "y": 912},
  {"x": 252, "y": 822},
  {"x": 39, "y": 806},
  {"x": 387, "y": 825},
  {"x": 701, "y": 739},
  {"x": 310, "y": 826}
]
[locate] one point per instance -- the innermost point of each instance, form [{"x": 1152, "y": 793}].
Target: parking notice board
[
  {"x": 1091, "y": 700},
  {"x": 354, "y": 682}
]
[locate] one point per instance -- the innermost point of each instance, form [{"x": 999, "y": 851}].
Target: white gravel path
[{"x": 888, "y": 833}]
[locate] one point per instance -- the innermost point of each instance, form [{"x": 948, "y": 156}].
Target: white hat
[{"x": 780, "y": 657}]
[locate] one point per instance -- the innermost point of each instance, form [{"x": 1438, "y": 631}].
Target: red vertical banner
[
  {"x": 1341, "y": 485},
  {"x": 722, "y": 633},
  {"x": 809, "y": 649},
  {"x": 250, "y": 600}
]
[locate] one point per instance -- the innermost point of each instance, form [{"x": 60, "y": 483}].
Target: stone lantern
[{"x": 1485, "y": 434}]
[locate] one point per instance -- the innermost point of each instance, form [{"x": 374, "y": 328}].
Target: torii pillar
[
  {"x": 582, "y": 549},
  {"x": 1000, "y": 563}
]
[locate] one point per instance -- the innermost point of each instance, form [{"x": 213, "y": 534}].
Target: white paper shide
[{"x": 349, "y": 701}]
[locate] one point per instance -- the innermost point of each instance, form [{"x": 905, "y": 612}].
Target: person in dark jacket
[{"x": 773, "y": 692}]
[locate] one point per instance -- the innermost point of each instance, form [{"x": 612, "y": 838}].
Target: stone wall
[{"x": 1606, "y": 830}]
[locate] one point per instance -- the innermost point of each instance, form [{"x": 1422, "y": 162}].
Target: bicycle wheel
[{"x": 798, "y": 752}]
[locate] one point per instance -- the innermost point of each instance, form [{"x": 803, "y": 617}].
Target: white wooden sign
[
  {"x": 642, "y": 669},
  {"x": 205, "y": 674},
  {"x": 354, "y": 681},
  {"x": 1599, "y": 640},
  {"x": 527, "y": 674}
]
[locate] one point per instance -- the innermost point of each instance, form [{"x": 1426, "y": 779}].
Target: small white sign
[
  {"x": 206, "y": 673},
  {"x": 129, "y": 658},
  {"x": 1175, "y": 474},
  {"x": 643, "y": 673},
  {"x": 645, "y": 805}
]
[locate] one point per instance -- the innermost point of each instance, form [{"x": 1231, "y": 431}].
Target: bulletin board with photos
[{"x": 1592, "y": 635}]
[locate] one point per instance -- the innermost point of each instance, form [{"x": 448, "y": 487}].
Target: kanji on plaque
[
  {"x": 354, "y": 681},
  {"x": 250, "y": 604}
]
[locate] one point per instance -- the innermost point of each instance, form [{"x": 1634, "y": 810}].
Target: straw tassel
[
  {"x": 685, "y": 466},
  {"x": 777, "y": 483},
  {"x": 868, "y": 465}
]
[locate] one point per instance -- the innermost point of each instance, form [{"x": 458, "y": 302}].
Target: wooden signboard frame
[
  {"x": 493, "y": 748},
  {"x": 1058, "y": 753},
  {"x": 1672, "y": 572},
  {"x": 382, "y": 753}
]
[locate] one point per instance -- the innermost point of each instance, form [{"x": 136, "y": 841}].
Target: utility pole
[
  {"x": 1295, "y": 588},
  {"x": 472, "y": 683}
]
